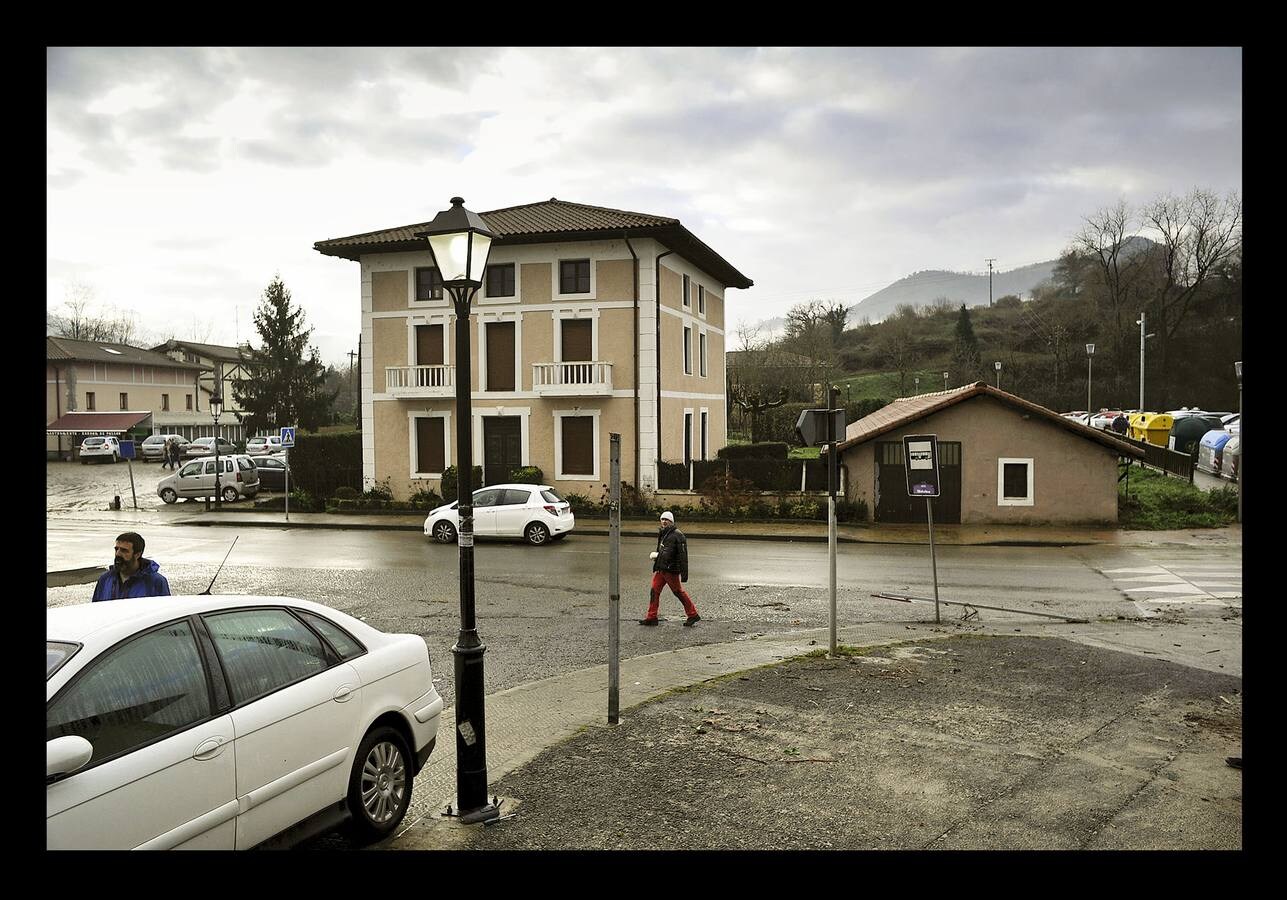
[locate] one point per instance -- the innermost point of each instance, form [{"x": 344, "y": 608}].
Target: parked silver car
[
  {"x": 153, "y": 447},
  {"x": 264, "y": 444},
  {"x": 205, "y": 447},
  {"x": 239, "y": 478}
]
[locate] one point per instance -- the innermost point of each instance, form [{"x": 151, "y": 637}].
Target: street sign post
[
  {"x": 614, "y": 581},
  {"x": 920, "y": 453},
  {"x": 827, "y": 426},
  {"x": 288, "y": 441},
  {"x": 127, "y": 454}
]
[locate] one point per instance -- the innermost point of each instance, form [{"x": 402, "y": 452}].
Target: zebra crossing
[{"x": 1180, "y": 581}]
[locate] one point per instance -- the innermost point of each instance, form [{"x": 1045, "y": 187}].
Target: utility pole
[
  {"x": 352, "y": 396},
  {"x": 991, "y": 260}
]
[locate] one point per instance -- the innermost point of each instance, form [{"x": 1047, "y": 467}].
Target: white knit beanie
[{"x": 669, "y": 515}]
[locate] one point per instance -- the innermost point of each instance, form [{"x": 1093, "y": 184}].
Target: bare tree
[
  {"x": 1198, "y": 235},
  {"x": 897, "y": 345},
  {"x": 1105, "y": 239},
  {"x": 80, "y": 319}
]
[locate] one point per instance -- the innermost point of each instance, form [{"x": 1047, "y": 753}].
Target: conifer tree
[
  {"x": 288, "y": 386},
  {"x": 965, "y": 353}
]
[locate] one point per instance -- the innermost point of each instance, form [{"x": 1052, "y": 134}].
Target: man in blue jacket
[{"x": 132, "y": 575}]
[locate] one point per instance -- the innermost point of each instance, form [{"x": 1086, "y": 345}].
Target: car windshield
[{"x": 57, "y": 653}]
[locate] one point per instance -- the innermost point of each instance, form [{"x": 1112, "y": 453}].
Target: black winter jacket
[{"x": 672, "y": 553}]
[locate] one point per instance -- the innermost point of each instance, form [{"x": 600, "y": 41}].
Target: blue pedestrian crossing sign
[{"x": 288, "y": 435}]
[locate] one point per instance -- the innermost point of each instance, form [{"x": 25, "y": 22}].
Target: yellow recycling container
[{"x": 1152, "y": 427}]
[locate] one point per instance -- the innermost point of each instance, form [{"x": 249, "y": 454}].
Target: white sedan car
[
  {"x": 534, "y": 512},
  {"x": 228, "y": 722}
]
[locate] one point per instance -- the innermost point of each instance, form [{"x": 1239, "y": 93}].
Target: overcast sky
[{"x": 180, "y": 180}]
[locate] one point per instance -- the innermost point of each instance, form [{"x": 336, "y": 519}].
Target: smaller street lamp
[
  {"x": 216, "y": 407},
  {"x": 1090, "y": 360},
  {"x": 944, "y": 381},
  {"x": 997, "y": 364},
  {"x": 918, "y": 384}
]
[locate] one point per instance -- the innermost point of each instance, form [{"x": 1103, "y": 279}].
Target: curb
[{"x": 66, "y": 577}]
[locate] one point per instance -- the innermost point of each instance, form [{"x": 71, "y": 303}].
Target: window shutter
[
  {"x": 500, "y": 356},
  {"x": 578, "y": 445},
  {"x": 430, "y": 444},
  {"x": 429, "y": 346},
  {"x": 577, "y": 340}
]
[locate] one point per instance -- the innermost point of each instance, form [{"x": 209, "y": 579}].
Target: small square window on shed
[{"x": 1014, "y": 482}]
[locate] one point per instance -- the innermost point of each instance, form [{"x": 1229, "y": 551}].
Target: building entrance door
[{"x": 502, "y": 447}]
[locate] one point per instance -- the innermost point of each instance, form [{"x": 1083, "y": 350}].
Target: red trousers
[{"x": 671, "y": 580}]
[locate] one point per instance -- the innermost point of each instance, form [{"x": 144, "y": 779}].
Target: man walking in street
[
  {"x": 131, "y": 575},
  {"x": 670, "y": 569}
]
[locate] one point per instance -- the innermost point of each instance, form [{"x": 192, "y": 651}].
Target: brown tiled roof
[
  {"x": 61, "y": 348},
  {"x": 551, "y": 220},
  {"x": 214, "y": 351},
  {"x": 905, "y": 410},
  {"x": 95, "y": 422}
]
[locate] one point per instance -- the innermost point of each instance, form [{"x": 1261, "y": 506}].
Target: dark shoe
[
  {"x": 692, "y": 620},
  {"x": 647, "y": 621},
  {"x": 1233, "y": 761}
]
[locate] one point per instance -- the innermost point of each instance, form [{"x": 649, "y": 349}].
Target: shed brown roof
[
  {"x": 905, "y": 410},
  {"x": 104, "y": 351},
  {"x": 96, "y": 422},
  {"x": 551, "y": 220}
]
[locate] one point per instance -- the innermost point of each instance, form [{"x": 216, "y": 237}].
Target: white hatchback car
[
  {"x": 222, "y": 722},
  {"x": 264, "y": 444},
  {"x": 534, "y": 512},
  {"x": 104, "y": 448}
]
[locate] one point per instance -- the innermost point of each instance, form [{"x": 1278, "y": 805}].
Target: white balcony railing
[
  {"x": 572, "y": 378},
  {"x": 420, "y": 381}
]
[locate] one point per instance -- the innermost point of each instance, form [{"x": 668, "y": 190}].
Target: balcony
[
  {"x": 420, "y": 381},
  {"x": 572, "y": 379}
]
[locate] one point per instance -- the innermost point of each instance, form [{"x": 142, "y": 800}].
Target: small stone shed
[{"x": 1002, "y": 459}]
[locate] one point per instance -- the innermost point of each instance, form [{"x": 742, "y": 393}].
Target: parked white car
[
  {"x": 264, "y": 444},
  {"x": 104, "y": 448},
  {"x": 228, "y": 722},
  {"x": 239, "y": 478},
  {"x": 205, "y": 447},
  {"x": 534, "y": 512}
]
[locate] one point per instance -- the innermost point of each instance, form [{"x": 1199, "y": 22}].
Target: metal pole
[
  {"x": 1090, "y": 364},
  {"x": 1242, "y": 456},
  {"x": 218, "y": 489},
  {"x": 1141, "y": 362},
  {"x": 614, "y": 581},
  {"x": 130, "y": 463},
  {"x": 286, "y": 454},
  {"x": 929, "y": 514},
  {"x": 832, "y": 399},
  {"x": 471, "y": 732}
]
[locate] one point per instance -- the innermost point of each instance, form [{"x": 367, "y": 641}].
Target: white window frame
[
  {"x": 559, "y": 415},
  {"x": 557, "y": 268},
  {"x": 412, "y": 415},
  {"x": 702, "y": 342},
  {"x": 444, "y": 319},
  {"x": 517, "y": 296},
  {"x": 701, "y": 300},
  {"x": 703, "y": 432},
  {"x": 412, "y": 302},
  {"x": 685, "y": 292},
  {"x": 688, "y": 350},
  {"x": 690, "y": 423},
  {"x": 559, "y": 315},
  {"x": 1002, "y": 500}
]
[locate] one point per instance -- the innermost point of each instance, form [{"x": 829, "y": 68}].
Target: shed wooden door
[{"x": 893, "y": 504}]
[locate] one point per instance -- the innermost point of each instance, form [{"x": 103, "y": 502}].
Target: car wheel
[
  {"x": 444, "y": 532},
  {"x": 168, "y": 495},
  {"x": 380, "y": 785},
  {"x": 536, "y": 534},
  {"x": 230, "y": 495}
]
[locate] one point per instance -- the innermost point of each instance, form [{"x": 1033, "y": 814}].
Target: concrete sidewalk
[
  {"x": 1006, "y": 742},
  {"x": 946, "y": 535}
]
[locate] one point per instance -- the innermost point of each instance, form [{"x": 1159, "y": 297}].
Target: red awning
[{"x": 96, "y": 422}]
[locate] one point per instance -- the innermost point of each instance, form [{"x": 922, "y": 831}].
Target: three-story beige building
[{"x": 590, "y": 321}]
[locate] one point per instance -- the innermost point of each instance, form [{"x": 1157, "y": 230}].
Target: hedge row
[{"x": 323, "y": 463}]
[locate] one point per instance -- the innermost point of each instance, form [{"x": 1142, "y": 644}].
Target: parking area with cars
[{"x": 72, "y": 486}]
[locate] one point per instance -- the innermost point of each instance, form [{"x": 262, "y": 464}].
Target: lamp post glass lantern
[
  {"x": 459, "y": 243},
  {"x": 997, "y": 364},
  {"x": 216, "y": 407}
]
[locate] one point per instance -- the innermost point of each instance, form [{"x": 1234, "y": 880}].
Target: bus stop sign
[{"x": 920, "y": 452}]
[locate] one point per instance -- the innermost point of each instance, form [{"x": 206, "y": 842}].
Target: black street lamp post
[
  {"x": 459, "y": 242},
  {"x": 216, "y": 407}
]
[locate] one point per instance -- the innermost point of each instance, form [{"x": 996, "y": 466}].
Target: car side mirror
[{"x": 67, "y": 754}]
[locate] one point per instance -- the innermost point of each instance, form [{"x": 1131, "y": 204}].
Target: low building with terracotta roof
[
  {"x": 591, "y": 320},
  {"x": 1002, "y": 459}
]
